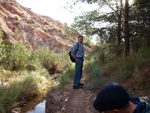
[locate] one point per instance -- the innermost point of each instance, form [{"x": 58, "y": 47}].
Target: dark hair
[
  {"x": 80, "y": 36},
  {"x": 112, "y": 96}
]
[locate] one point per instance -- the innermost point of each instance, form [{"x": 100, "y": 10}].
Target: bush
[
  {"x": 94, "y": 78},
  {"x": 68, "y": 74},
  {"x": 71, "y": 32},
  {"x": 15, "y": 57},
  {"x": 18, "y": 89},
  {"x": 25, "y": 74},
  {"x": 114, "y": 68},
  {"x": 89, "y": 65},
  {"x": 134, "y": 59},
  {"x": 50, "y": 60}
]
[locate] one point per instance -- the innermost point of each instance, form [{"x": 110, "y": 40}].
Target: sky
[{"x": 55, "y": 9}]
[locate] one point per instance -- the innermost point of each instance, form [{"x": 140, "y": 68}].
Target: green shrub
[
  {"x": 18, "y": 89},
  {"x": 89, "y": 65},
  {"x": 95, "y": 73},
  {"x": 134, "y": 59},
  {"x": 121, "y": 68},
  {"x": 15, "y": 57},
  {"x": 26, "y": 85},
  {"x": 147, "y": 86},
  {"x": 68, "y": 74},
  {"x": 50, "y": 60},
  {"x": 71, "y": 32},
  {"x": 1, "y": 35},
  {"x": 114, "y": 68},
  {"x": 95, "y": 78},
  {"x": 63, "y": 80}
]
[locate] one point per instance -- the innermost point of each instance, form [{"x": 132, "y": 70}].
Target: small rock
[
  {"x": 66, "y": 99},
  {"x": 63, "y": 108},
  {"x": 22, "y": 103},
  {"x": 60, "y": 97},
  {"x": 16, "y": 110}
]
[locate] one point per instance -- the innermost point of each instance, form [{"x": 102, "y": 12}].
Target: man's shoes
[
  {"x": 80, "y": 84},
  {"x": 77, "y": 87}
]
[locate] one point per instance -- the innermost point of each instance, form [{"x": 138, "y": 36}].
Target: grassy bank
[
  {"x": 24, "y": 74},
  {"x": 18, "y": 86},
  {"x": 67, "y": 75},
  {"x": 130, "y": 70}
]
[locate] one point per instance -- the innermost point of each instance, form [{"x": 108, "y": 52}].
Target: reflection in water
[{"x": 40, "y": 108}]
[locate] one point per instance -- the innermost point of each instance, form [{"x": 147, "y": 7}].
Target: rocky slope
[{"x": 20, "y": 24}]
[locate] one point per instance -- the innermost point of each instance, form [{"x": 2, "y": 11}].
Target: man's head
[
  {"x": 113, "y": 98},
  {"x": 80, "y": 39}
]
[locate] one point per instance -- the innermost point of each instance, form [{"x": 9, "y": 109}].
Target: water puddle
[{"x": 40, "y": 108}]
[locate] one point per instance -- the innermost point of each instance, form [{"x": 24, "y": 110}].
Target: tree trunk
[
  {"x": 119, "y": 30},
  {"x": 119, "y": 24},
  {"x": 127, "y": 44},
  {"x": 119, "y": 48}
]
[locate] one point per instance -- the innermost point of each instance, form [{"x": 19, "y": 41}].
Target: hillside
[{"x": 20, "y": 24}]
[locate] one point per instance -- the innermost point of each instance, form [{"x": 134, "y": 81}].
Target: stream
[
  {"x": 40, "y": 108},
  {"x": 38, "y": 103}
]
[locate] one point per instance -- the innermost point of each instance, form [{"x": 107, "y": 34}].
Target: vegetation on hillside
[
  {"x": 119, "y": 69},
  {"x": 25, "y": 74}
]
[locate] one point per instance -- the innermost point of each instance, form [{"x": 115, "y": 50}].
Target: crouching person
[{"x": 113, "y": 98}]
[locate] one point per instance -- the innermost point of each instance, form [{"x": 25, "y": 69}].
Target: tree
[
  {"x": 131, "y": 22},
  {"x": 140, "y": 21},
  {"x": 127, "y": 49},
  {"x": 114, "y": 18}
]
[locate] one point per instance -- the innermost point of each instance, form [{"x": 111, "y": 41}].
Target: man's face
[{"x": 80, "y": 40}]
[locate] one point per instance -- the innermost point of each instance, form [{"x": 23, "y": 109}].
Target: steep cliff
[{"x": 20, "y": 24}]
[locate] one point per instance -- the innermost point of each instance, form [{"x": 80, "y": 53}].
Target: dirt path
[{"x": 69, "y": 100}]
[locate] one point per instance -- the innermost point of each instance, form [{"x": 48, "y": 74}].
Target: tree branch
[{"x": 109, "y": 6}]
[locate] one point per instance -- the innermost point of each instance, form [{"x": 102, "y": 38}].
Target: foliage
[
  {"x": 92, "y": 66},
  {"x": 71, "y": 32},
  {"x": 110, "y": 26},
  {"x": 24, "y": 74},
  {"x": 1, "y": 34},
  {"x": 83, "y": 23},
  {"x": 87, "y": 42},
  {"x": 67, "y": 75},
  {"x": 95, "y": 78},
  {"x": 114, "y": 68},
  {"x": 123, "y": 67},
  {"x": 50, "y": 60},
  {"x": 15, "y": 57},
  {"x": 18, "y": 89}
]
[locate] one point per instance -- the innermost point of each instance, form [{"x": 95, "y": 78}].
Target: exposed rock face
[{"x": 20, "y": 24}]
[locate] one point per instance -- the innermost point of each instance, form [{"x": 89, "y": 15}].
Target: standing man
[{"x": 77, "y": 52}]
